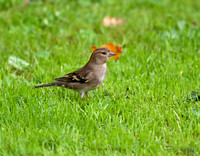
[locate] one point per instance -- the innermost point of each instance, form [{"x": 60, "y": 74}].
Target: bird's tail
[{"x": 51, "y": 84}]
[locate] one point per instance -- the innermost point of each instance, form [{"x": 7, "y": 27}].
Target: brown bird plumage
[{"x": 88, "y": 77}]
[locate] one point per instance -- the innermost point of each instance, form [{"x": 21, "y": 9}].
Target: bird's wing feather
[{"x": 76, "y": 76}]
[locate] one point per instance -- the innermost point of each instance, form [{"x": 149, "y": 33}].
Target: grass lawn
[{"x": 160, "y": 66}]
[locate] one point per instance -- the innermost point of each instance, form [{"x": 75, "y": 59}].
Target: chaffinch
[{"x": 88, "y": 77}]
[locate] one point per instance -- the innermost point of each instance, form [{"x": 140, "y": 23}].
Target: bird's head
[{"x": 101, "y": 55}]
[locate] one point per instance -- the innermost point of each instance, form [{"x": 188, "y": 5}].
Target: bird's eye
[{"x": 104, "y": 53}]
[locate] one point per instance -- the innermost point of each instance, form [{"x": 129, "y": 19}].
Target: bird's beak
[{"x": 111, "y": 54}]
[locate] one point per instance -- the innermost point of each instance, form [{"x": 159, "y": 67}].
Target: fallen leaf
[
  {"x": 115, "y": 49},
  {"x": 18, "y": 63},
  {"x": 93, "y": 48},
  {"x": 112, "y": 21},
  {"x": 26, "y": 3},
  {"x": 104, "y": 46}
]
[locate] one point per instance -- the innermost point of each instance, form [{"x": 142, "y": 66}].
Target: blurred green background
[{"x": 160, "y": 66}]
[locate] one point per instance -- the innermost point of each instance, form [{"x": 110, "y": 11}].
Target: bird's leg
[
  {"x": 87, "y": 93},
  {"x": 81, "y": 94}
]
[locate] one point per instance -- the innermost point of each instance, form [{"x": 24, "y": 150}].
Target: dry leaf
[
  {"x": 26, "y": 3},
  {"x": 112, "y": 21},
  {"x": 115, "y": 49},
  {"x": 17, "y": 62},
  {"x": 93, "y": 48}
]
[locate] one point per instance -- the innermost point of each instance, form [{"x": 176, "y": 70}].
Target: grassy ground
[{"x": 160, "y": 64}]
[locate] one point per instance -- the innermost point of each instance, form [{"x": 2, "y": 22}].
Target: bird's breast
[{"x": 101, "y": 74}]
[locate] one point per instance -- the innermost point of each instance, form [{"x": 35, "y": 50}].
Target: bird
[{"x": 87, "y": 78}]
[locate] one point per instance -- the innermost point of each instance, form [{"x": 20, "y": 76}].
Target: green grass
[{"x": 160, "y": 64}]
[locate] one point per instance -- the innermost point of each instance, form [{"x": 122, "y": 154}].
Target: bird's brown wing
[{"x": 77, "y": 76}]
